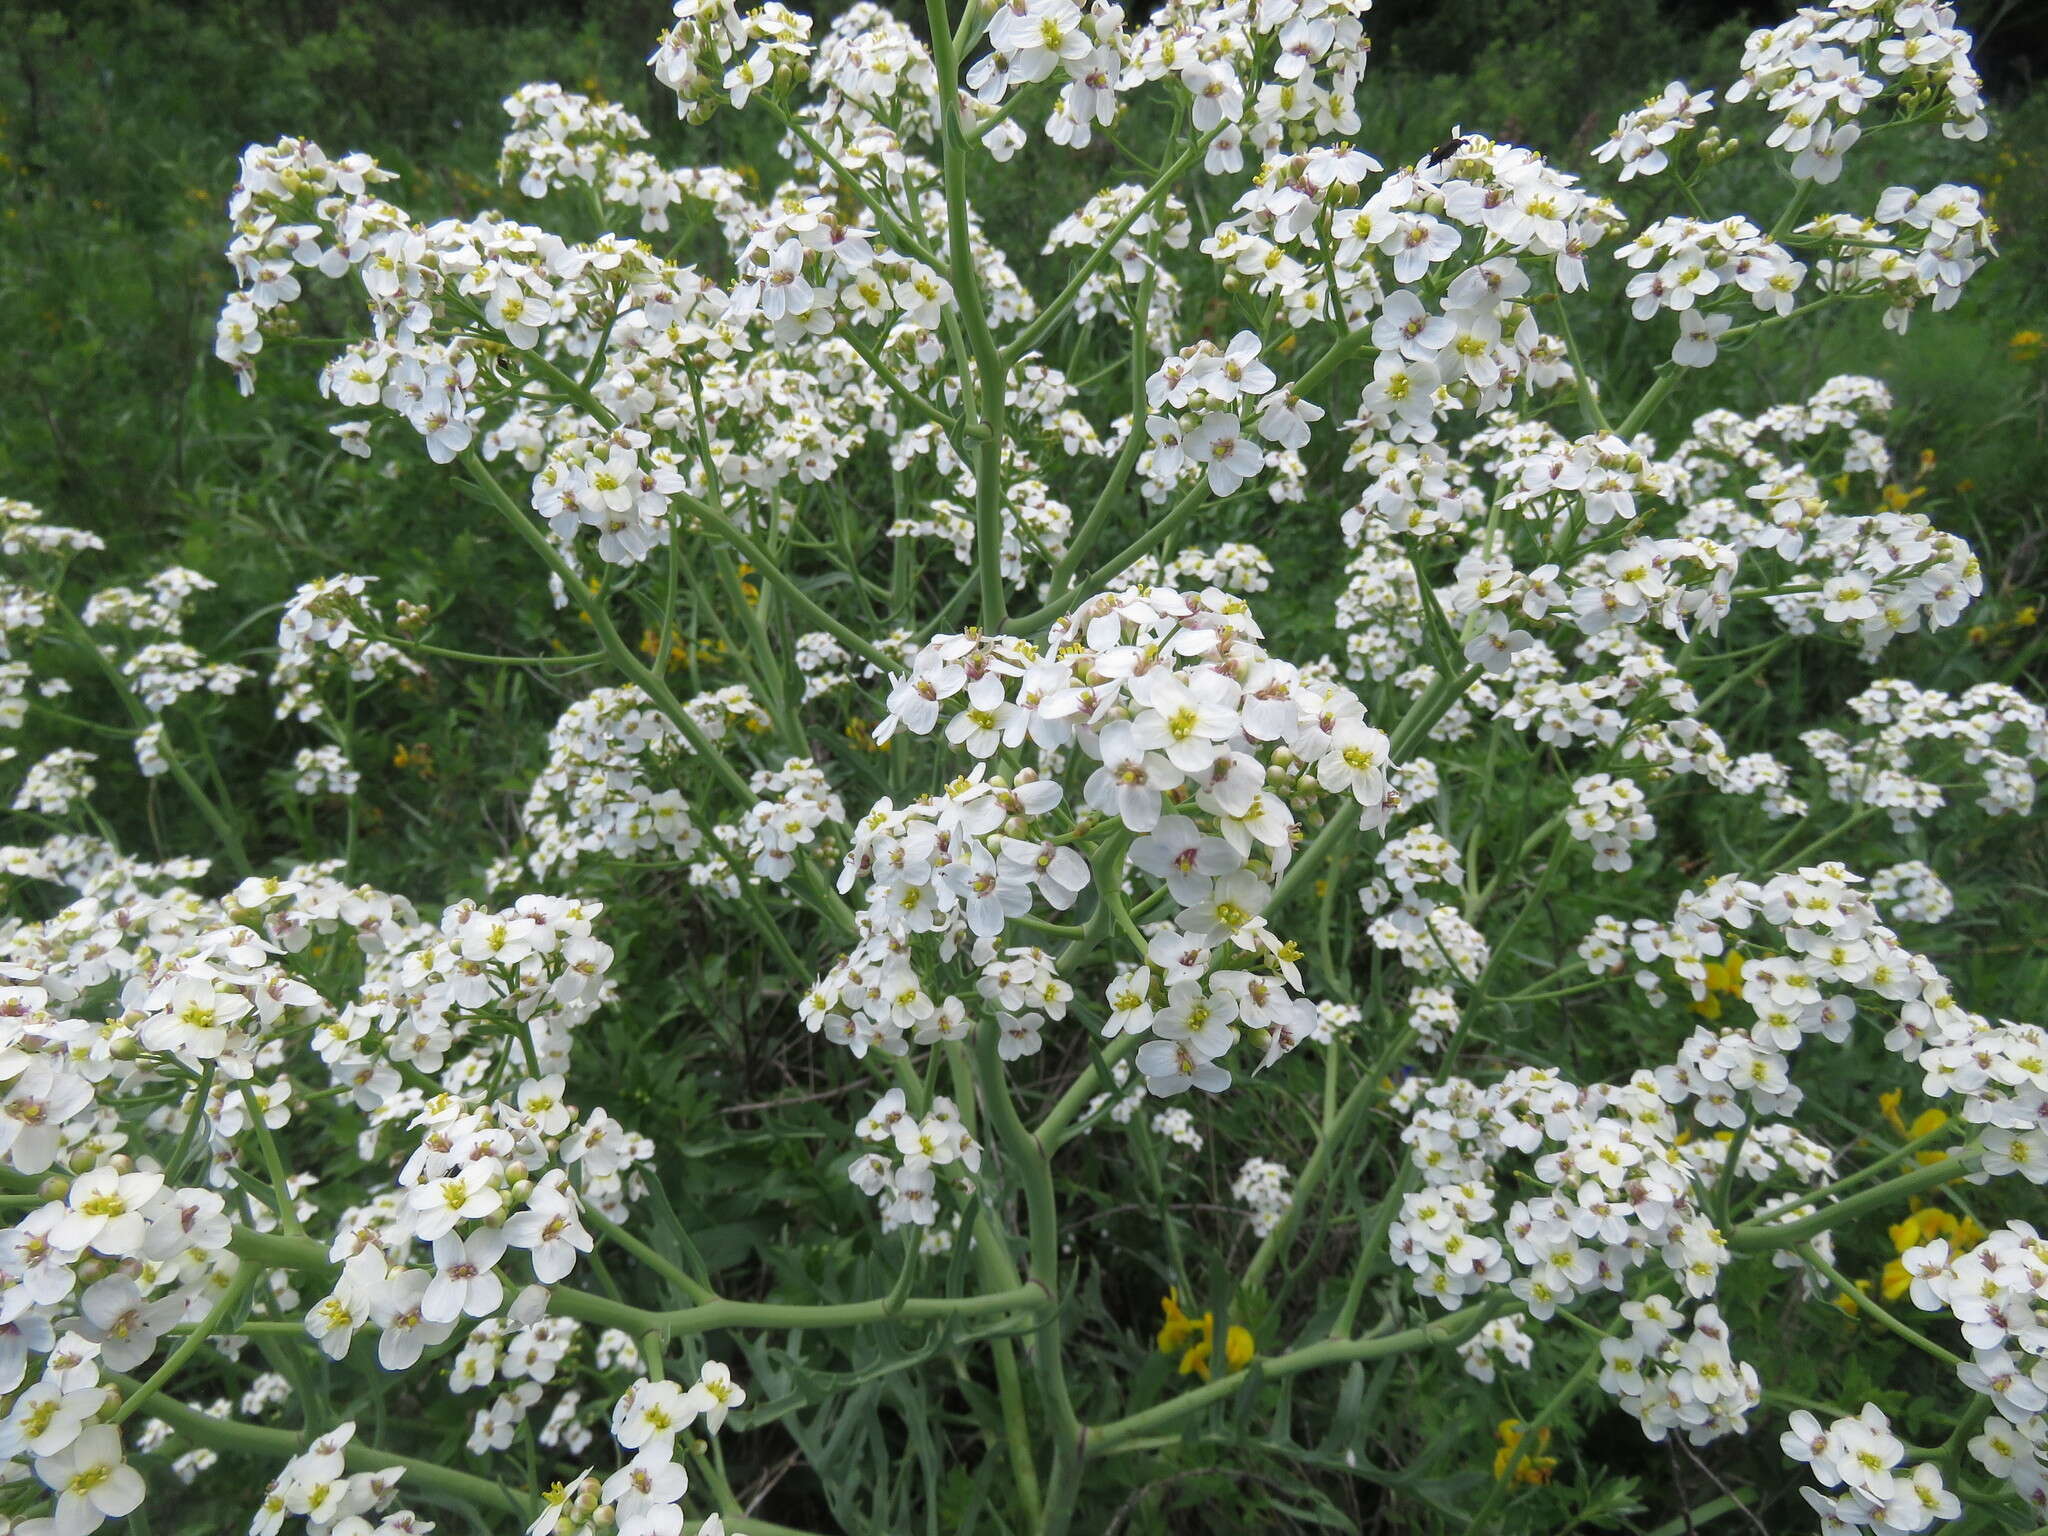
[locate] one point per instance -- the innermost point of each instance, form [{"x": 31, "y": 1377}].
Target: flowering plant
[{"x": 1040, "y": 821}]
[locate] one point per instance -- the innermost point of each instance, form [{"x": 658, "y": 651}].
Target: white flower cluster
[
  {"x": 23, "y": 531},
  {"x": 56, "y": 782},
  {"x": 1911, "y": 893},
  {"x": 1384, "y": 250},
  {"x": 1608, "y": 816},
  {"x": 1499, "y": 1340},
  {"x": 1997, "y": 1292},
  {"x": 322, "y": 631},
  {"x": 1666, "y": 1381},
  {"x": 1642, "y": 138},
  {"x": 1434, "y": 1015},
  {"x": 1315, "y": 53},
  {"x": 605, "y": 789},
  {"x": 1210, "y": 393},
  {"x": 796, "y": 800},
  {"x": 905, "y": 1186},
  {"x": 159, "y": 605},
  {"x": 643, "y": 1497},
  {"x": 1861, "y": 1456},
  {"x": 1202, "y": 765},
  {"x": 1818, "y": 72},
  {"x": 165, "y": 671},
  {"x": 1620, "y": 1190},
  {"x": 1694, "y": 261},
  {"x": 563, "y": 139},
  {"x": 1990, "y": 728},
  {"x": 1238, "y": 568},
  {"x": 324, "y": 771},
  {"x": 1261, "y": 1187},
  {"x": 316, "y": 1487}
]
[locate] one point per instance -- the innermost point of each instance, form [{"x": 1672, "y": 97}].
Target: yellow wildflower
[
  {"x": 1196, "y": 1339},
  {"x": 1722, "y": 977},
  {"x": 861, "y": 733},
  {"x": 2025, "y": 346},
  {"x": 1174, "y": 1334},
  {"x": 1888, "y": 1106},
  {"x": 1923, "y": 1226},
  {"x": 1847, "y": 1303},
  {"x": 1532, "y": 1467}
]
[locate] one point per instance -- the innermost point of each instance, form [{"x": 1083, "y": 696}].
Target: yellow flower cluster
[
  {"x": 2025, "y": 346},
  {"x": 709, "y": 653},
  {"x": 1724, "y": 979},
  {"x": 1195, "y": 1338},
  {"x": 1924, "y": 1223},
  {"x": 2024, "y": 617},
  {"x": 860, "y": 732},
  {"x": 1926, "y": 1123},
  {"x": 1533, "y": 1467}
]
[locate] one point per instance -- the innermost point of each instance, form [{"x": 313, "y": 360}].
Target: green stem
[
  {"x": 1450, "y": 1330},
  {"x": 683, "y": 1281},
  {"x": 273, "y": 1163},
  {"x": 276, "y": 1445},
  {"x": 1768, "y": 1237},
  {"x": 1328, "y": 1146},
  {"x": 230, "y": 839},
  {"x": 1864, "y": 1303},
  {"x": 303, "y": 1253},
  {"x": 1191, "y": 501},
  {"x": 1105, "y": 248},
  {"x": 238, "y": 1290}
]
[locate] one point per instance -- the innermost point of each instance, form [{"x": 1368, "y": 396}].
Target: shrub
[{"x": 900, "y": 618}]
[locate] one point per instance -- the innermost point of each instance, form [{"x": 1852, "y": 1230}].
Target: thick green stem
[
  {"x": 273, "y": 1163},
  {"x": 1451, "y": 1330},
  {"x": 236, "y": 1293},
  {"x": 303, "y": 1253},
  {"x": 1768, "y": 1237},
  {"x": 279, "y": 1444},
  {"x": 1026, "y": 1155},
  {"x": 1333, "y": 1141},
  {"x": 1848, "y": 1288},
  {"x": 1193, "y": 500},
  {"x": 1105, "y": 249}
]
